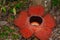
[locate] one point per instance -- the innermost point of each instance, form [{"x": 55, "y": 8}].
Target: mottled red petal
[
  {"x": 26, "y": 33},
  {"x": 36, "y": 10},
  {"x": 43, "y": 34},
  {"x": 49, "y": 21},
  {"x": 21, "y": 19}
]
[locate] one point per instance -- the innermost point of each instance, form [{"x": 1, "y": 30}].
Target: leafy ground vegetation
[{"x": 9, "y": 9}]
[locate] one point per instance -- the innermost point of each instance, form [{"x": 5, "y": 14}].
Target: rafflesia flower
[{"x": 34, "y": 22}]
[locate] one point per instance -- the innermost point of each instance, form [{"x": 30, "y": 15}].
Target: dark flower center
[{"x": 35, "y": 20}]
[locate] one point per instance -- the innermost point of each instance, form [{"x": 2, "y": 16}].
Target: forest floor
[{"x": 9, "y": 9}]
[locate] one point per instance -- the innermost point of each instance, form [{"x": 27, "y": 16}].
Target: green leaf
[
  {"x": 12, "y": 17},
  {"x": 59, "y": 2},
  {"x": 6, "y": 28},
  {"x": 14, "y": 36},
  {"x": 11, "y": 10},
  {"x": 4, "y": 34},
  {"x": 14, "y": 11},
  {"x": 19, "y": 5},
  {"x": 10, "y": 30},
  {"x": 54, "y": 2},
  {"x": 3, "y": 9},
  {"x": 0, "y": 4}
]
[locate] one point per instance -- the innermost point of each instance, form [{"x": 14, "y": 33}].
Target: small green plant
[
  {"x": 55, "y": 2},
  {"x": 6, "y": 28},
  {"x": 15, "y": 36},
  {"x": 3, "y": 9}
]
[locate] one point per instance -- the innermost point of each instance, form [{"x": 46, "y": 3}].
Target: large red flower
[{"x": 34, "y": 22}]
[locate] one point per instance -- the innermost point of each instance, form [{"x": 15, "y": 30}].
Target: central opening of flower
[{"x": 35, "y": 20}]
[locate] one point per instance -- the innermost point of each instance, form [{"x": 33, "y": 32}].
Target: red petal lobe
[
  {"x": 43, "y": 34},
  {"x": 21, "y": 19},
  {"x": 26, "y": 33},
  {"x": 49, "y": 21},
  {"x": 36, "y": 10}
]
